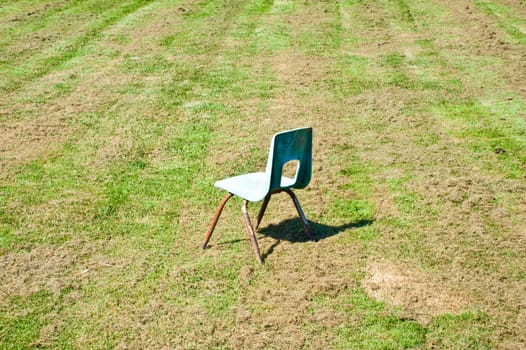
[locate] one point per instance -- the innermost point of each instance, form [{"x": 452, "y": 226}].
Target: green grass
[
  {"x": 119, "y": 117},
  {"x": 378, "y": 328},
  {"x": 22, "y": 325},
  {"x": 405, "y": 12},
  {"x": 513, "y": 26},
  {"x": 488, "y": 129},
  {"x": 375, "y": 326},
  {"x": 470, "y": 329}
]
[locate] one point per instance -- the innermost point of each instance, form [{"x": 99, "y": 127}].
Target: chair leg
[
  {"x": 303, "y": 218},
  {"x": 262, "y": 210},
  {"x": 216, "y": 218},
  {"x": 250, "y": 232}
]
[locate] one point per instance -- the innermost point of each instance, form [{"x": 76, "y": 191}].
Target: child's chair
[{"x": 286, "y": 146}]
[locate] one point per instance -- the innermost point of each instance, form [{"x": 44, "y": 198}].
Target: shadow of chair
[{"x": 292, "y": 230}]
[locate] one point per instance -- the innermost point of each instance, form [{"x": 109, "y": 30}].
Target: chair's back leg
[
  {"x": 216, "y": 218},
  {"x": 303, "y": 218},
  {"x": 262, "y": 210},
  {"x": 250, "y": 232}
]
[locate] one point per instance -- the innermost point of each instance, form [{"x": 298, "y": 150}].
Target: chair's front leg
[
  {"x": 216, "y": 218},
  {"x": 250, "y": 232},
  {"x": 304, "y": 220},
  {"x": 262, "y": 210}
]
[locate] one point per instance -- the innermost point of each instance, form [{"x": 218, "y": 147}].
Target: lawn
[{"x": 116, "y": 118}]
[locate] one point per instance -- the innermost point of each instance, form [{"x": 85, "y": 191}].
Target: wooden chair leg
[
  {"x": 250, "y": 232},
  {"x": 216, "y": 218},
  {"x": 303, "y": 218},
  {"x": 262, "y": 210}
]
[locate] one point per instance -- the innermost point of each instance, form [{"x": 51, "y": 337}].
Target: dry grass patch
[
  {"x": 46, "y": 268},
  {"x": 419, "y": 293}
]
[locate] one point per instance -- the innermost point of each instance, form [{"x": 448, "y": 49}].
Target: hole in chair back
[{"x": 289, "y": 171}]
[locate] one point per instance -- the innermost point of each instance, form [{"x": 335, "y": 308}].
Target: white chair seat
[{"x": 252, "y": 187}]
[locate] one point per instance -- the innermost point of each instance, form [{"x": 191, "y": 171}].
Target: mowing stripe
[{"x": 39, "y": 66}]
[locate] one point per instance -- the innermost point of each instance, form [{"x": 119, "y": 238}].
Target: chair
[{"x": 286, "y": 146}]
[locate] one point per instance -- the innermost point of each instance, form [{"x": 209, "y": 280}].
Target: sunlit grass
[{"x": 161, "y": 99}]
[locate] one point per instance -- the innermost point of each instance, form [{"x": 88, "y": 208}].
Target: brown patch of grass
[
  {"x": 296, "y": 70},
  {"x": 264, "y": 308},
  {"x": 46, "y": 268},
  {"x": 419, "y": 293},
  {"x": 384, "y": 203}
]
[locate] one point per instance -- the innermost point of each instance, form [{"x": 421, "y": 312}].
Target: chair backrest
[{"x": 286, "y": 146}]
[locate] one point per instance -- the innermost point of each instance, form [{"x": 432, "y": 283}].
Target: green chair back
[{"x": 286, "y": 146}]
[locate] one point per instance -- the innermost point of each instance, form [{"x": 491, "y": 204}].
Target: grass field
[{"x": 116, "y": 118}]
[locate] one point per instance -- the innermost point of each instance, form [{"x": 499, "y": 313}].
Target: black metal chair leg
[
  {"x": 262, "y": 210},
  {"x": 303, "y": 218}
]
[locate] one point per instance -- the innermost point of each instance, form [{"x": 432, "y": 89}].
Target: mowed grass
[{"x": 117, "y": 117}]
